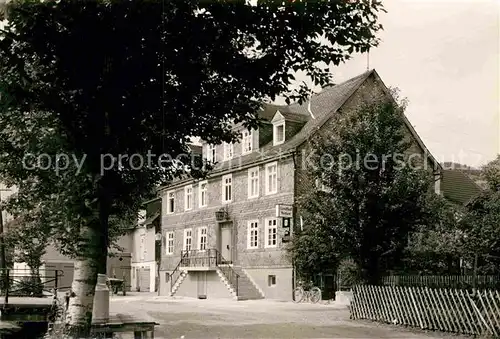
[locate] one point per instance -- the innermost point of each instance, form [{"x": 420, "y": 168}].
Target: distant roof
[
  {"x": 457, "y": 187},
  {"x": 149, "y": 221}
]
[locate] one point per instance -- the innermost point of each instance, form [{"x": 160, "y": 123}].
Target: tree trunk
[
  {"x": 104, "y": 235},
  {"x": 93, "y": 251},
  {"x": 79, "y": 313},
  {"x": 3, "y": 264},
  {"x": 371, "y": 270}
]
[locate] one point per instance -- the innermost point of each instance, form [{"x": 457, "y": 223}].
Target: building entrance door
[{"x": 226, "y": 242}]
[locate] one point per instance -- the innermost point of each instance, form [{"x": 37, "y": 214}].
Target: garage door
[{"x": 144, "y": 279}]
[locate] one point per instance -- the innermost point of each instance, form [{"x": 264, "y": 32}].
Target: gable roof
[
  {"x": 149, "y": 221},
  {"x": 295, "y": 117},
  {"x": 458, "y": 188},
  {"x": 323, "y": 106}
]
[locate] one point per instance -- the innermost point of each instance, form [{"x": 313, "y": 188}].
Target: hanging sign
[{"x": 284, "y": 211}]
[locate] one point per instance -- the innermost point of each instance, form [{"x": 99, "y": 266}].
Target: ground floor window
[
  {"x": 271, "y": 232},
  {"x": 271, "y": 280}
]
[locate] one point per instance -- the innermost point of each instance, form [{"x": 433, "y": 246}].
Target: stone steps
[
  {"x": 246, "y": 288},
  {"x": 178, "y": 283}
]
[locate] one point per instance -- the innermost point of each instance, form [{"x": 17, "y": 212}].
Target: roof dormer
[
  {"x": 286, "y": 125},
  {"x": 278, "y": 128}
]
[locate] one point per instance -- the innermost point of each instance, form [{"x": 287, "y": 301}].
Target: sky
[{"x": 444, "y": 57}]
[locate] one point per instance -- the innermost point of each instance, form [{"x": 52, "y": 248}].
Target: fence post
[
  {"x": 7, "y": 286},
  {"x": 55, "y": 282},
  {"x": 474, "y": 276}
]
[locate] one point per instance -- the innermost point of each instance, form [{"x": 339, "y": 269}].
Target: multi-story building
[
  {"x": 146, "y": 249},
  {"x": 226, "y": 236}
]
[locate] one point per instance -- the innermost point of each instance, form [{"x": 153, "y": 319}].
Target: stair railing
[
  {"x": 228, "y": 271},
  {"x": 176, "y": 273}
]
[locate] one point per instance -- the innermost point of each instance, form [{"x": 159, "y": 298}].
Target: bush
[{"x": 348, "y": 274}]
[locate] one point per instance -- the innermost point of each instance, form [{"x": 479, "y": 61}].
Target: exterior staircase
[
  {"x": 239, "y": 284},
  {"x": 177, "y": 283},
  {"x": 247, "y": 290}
]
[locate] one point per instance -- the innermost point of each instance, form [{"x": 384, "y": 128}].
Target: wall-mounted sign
[{"x": 284, "y": 211}]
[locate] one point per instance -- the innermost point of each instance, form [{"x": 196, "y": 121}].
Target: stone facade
[{"x": 240, "y": 210}]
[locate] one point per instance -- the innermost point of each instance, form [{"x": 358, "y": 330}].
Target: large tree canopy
[
  {"x": 96, "y": 80},
  {"x": 374, "y": 194}
]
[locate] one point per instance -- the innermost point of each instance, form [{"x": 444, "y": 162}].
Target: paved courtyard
[{"x": 215, "y": 318}]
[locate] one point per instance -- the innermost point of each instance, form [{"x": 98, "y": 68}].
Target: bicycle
[{"x": 313, "y": 294}]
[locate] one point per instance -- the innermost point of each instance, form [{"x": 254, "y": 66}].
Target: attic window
[{"x": 279, "y": 133}]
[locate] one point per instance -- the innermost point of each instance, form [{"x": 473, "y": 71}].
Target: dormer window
[
  {"x": 228, "y": 151},
  {"x": 211, "y": 153},
  {"x": 246, "y": 142},
  {"x": 279, "y": 133}
]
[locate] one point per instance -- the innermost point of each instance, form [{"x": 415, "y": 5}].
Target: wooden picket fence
[
  {"x": 448, "y": 310},
  {"x": 446, "y": 281}
]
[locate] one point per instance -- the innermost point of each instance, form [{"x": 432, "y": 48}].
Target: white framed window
[
  {"x": 253, "y": 182},
  {"x": 272, "y": 178},
  {"x": 170, "y": 202},
  {"x": 202, "y": 238},
  {"x": 253, "y": 234},
  {"x": 246, "y": 141},
  {"x": 211, "y": 153},
  {"x": 227, "y": 188},
  {"x": 279, "y": 133},
  {"x": 228, "y": 151},
  {"x": 271, "y": 232},
  {"x": 203, "y": 193},
  {"x": 188, "y": 239},
  {"x": 169, "y": 240},
  {"x": 188, "y": 197}
]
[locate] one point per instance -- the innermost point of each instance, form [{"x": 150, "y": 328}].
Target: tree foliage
[
  {"x": 127, "y": 77},
  {"x": 491, "y": 173},
  {"x": 369, "y": 208},
  {"x": 481, "y": 223},
  {"x": 29, "y": 241},
  {"x": 313, "y": 252},
  {"x": 438, "y": 246},
  {"x": 96, "y": 80}
]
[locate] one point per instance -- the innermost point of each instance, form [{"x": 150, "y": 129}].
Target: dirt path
[{"x": 192, "y": 318}]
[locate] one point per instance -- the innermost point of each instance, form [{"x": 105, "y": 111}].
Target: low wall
[{"x": 283, "y": 278}]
